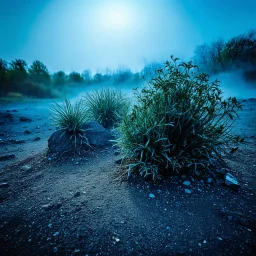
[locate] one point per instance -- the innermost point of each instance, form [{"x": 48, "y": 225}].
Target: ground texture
[{"x": 79, "y": 204}]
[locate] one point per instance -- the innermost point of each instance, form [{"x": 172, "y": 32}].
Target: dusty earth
[{"x": 79, "y": 204}]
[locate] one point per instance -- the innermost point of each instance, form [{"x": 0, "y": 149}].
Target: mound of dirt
[{"x": 97, "y": 136}]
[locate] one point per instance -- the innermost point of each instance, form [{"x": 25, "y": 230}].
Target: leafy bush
[
  {"x": 106, "y": 106},
  {"x": 70, "y": 118},
  {"x": 180, "y": 122}
]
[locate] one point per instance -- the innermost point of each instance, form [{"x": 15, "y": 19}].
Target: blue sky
[{"x": 99, "y": 34}]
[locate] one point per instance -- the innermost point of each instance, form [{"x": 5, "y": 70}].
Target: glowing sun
[{"x": 116, "y": 16}]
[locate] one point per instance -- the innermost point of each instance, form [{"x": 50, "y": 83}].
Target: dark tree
[{"x": 39, "y": 73}]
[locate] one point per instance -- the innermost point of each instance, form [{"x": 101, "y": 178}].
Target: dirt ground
[{"x": 79, "y": 205}]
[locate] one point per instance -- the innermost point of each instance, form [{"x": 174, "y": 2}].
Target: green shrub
[
  {"x": 179, "y": 122},
  {"x": 70, "y": 118},
  {"x": 106, "y": 106},
  {"x": 14, "y": 95}
]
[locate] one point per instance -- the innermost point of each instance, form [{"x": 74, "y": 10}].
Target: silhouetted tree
[
  {"x": 39, "y": 73},
  {"x": 3, "y": 77},
  {"x": 59, "y": 78},
  {"x": 75, "y": 77}
]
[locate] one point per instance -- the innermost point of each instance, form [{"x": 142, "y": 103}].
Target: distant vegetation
[
  {"x": 17, "y": 78},
  {"x": 237, "y": 53}
]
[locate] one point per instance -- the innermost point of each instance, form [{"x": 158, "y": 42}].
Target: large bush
[{"x": 180, "y": 122}]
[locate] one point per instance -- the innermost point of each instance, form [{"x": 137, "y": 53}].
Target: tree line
[
  {"x": 36, "y": 81},
  {"x": 239, "y": 52}
]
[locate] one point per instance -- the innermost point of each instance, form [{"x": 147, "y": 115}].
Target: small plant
[
  {"x": 106, "y": 106},
  {"x": 179, "y": 123},
  {"x": 70, "y": 118}
]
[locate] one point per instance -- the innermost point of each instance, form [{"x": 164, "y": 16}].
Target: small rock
[
  {"x": 230, "y": 218},
  {"x": 37, "y": 127},
  {"x": 56, "y": 233},
  {"x": 151, "y": 195},
  {"x": 187, "y": 191},
  {"x": 186, "y": 183},
  {"x": 26, "y": 168},
  {"x": 37, "y": 138},
  {"x": 76, "y": 251},
  {"x": 27, "y": 132},
  {"x": 48, "y": 206},
  {"x": 49, "y": 159},
  {"x": 119, "y": 161},
  {"x": 231, "y": 182},
  {"x": 7, "y": 157},
  {"x": 168, "y": 228},
  {"x": 4, "y": 185},
  {"x": 183, "y": 177},
  {"x": 55, "y": 249},
  {"x": 77, "y": 194},
  {"x": 14, "y": 110},
  {"x": 209, "y": 180}
]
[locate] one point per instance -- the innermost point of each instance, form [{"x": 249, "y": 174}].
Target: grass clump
[
  {"x": 106, "y": 106},
  {"x": 70, "y": 118},
  {"x": 180, "y": 122}
]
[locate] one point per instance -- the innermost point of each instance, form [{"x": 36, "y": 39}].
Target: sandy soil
[{"x": 79, "y": 205}]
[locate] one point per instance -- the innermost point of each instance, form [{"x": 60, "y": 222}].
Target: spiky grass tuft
[
  {"x": 106, "y": 106},
  {"x": 70, "y": 118}
]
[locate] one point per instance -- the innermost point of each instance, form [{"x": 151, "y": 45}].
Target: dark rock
[
  {"x": 4, "y": 185},
  {"x": 37, "y": 138},
  {"x": 97, "y": 135},
  {"x": 77, "y": 194},
  {"x": 27, "y": 132},
  {"x": 119, "y": 161},
  {"x": 220, "y": 173},
  {"x": 17, "y": 141},
  {"x": 24, "y": 119},
  {"x": 231, "y": 182},
  {"x": 14, "y": 110},
  {"x": 5, "y": 118},
  {"x": 7, "y": 157},
  {"x": 183, "y": 177}
]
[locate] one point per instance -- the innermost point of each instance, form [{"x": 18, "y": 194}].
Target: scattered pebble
[
  {"x": 26, "y": 168},
  {"x": 187, "y": 191},
  {"x": 186, "y": 183},
  {"x": 56, "y": 233},
  {"x": 151, "y": 195}
]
